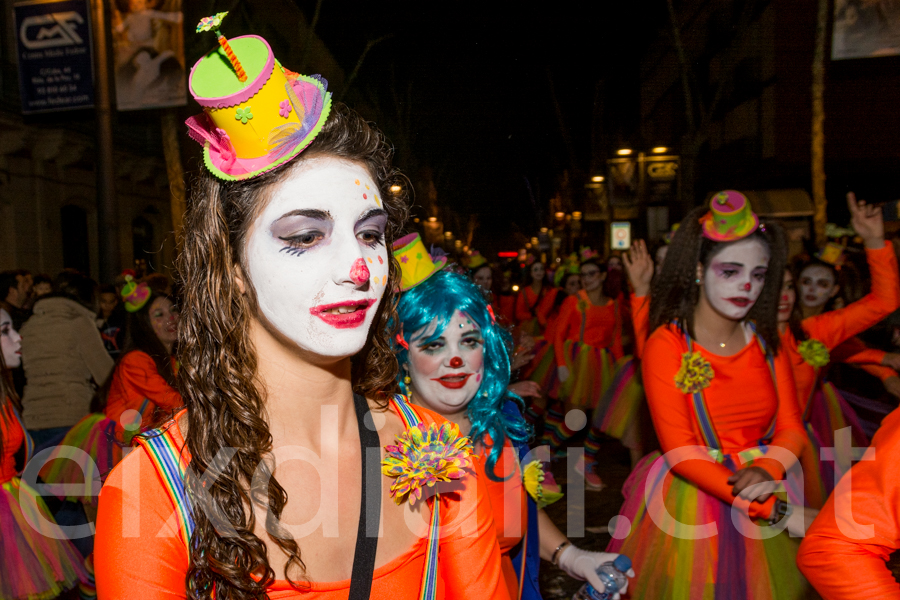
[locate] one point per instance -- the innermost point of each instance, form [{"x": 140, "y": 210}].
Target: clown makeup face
[
  {"x": 10, "y": 342},
  {"x": 537, "y": 271},
  {"x": 447, "y": 371},
  {"x": 614, "y": 263},
  {"x": 817, "y": 286},
  {"x": 317, "y": 259},
  {"x": 735, "y": 277},
  {"x": 592, "y": 277},
  {"x": 787, "y": 298}
]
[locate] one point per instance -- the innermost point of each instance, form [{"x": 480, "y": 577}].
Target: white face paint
[
  {"x": 10, "y": 342},
  {"x": 447, "y": 372},
  {"x": 538, "y": 271},
  {"x": 317, "y": 257},
  {"x": 817, "y": 286},
  {"x": 735, "y": 278},
  {"x": 787, "y": 299}
]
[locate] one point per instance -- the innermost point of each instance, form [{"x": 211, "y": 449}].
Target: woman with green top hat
[{"x": 294, "y": 472}]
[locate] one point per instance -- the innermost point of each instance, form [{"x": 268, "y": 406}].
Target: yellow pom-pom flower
[
  {"x": 814, "y": 352},
  {"x": 423, "y": 456},
  {"x": 695, "y": 373},
  {"x": 533, "y": 477}
]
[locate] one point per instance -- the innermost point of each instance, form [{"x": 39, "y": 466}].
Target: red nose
[
  {"x": 747, "y": 286},
  {"x": 359, "y": 272},
  {"x": 456, "y": 362}
]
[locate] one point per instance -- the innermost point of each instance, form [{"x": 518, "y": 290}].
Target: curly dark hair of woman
[
  {"x": 675, "y": 293},
  {"x": 218, "y": 374}
]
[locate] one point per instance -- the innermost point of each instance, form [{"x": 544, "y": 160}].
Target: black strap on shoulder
[{"x": 370, "y": 507}]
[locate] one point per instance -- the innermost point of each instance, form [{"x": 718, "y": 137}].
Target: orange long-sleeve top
[
  {"x": 833, "y": 327},
  {"x": 855, "y": 352},
  {"x": 135, "y": 379},
  {"x": 505, "y": 309},
  {"x": 742, "y": 400},
  {"x": 530, "y": 305},
  {"x": 602, "y": 325},
  {"x": 640, "y": 319},
  {"x": 13, "y": 437},
  {"x": 509, "y": 504},
  {"x": 845, "y": 551},
  {"x": 136, "y": 522}
]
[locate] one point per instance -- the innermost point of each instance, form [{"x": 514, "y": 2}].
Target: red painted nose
[
  {"x": 359, "y": 272},
  {"x": 456, "y": 362},
  {"x": 747, "y": 286}
]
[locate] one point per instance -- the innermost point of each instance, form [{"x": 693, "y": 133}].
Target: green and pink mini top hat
[
  {"x": 257, "y": 115},
  {"x": 416, "y": 265},
  {"x": 730, "y": 217},
  {"x": 134, "y": 294}
]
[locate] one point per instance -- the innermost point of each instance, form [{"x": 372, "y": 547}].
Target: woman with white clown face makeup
[
  {"x": 286, "y": 371},
  {"x": 718, "y": 386},
  {"x": 455, "y": 360}
]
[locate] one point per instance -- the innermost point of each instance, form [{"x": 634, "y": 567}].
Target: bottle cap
[{"x": 622, "y": 563}]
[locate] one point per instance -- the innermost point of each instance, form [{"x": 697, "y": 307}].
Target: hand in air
[
  {"x": 639, "y": 266},
  {"x": 582, "y": 565},
  {"x": 753, "y": 483},
  {"x": 867, "y": 221}
]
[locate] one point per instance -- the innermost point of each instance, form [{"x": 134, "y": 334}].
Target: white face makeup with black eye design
[
  {"x": 447, "y": 371},
  {"x": 10, "y": 342},
  {"x": 817, "y": 286},
  {"x": 317, "y": 257},
  {"x": 735, "y": 278}
]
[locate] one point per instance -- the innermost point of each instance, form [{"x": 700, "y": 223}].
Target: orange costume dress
[
  {"x": 823, "y": 409},
  {"x": 533, "y": 309},
  {"x": 740, "y": 412},
  {"x": 845, "y": 552},
  {"x": 36, "y": 558},
  {"x": 136, "y": 518},
  {"x": 137, "y": 385}
]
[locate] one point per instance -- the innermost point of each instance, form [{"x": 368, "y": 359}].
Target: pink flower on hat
[{"x": 284, "y": 108}]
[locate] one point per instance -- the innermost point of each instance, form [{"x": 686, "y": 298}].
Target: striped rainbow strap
[
  {"x": 29, "y": 443},
  {"x": 429, "y": 577},
  {"x": 170, "y": 464},
  {"x": 770, "y": 360}
]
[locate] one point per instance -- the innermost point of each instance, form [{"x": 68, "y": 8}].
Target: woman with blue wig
[{"x": 455, "y": 360}]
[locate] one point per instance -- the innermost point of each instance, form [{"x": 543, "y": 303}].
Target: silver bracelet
[{"x": 555, "y": 558}]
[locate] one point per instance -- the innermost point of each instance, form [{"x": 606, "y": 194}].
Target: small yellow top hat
[
  {"x": 416, "y": 264},
  {"x": 730, "y": 217}
]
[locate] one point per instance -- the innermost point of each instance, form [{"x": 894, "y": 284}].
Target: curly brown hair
[
  {"x": 218, "y": 375},
  {"x": 675, "y": 293}
]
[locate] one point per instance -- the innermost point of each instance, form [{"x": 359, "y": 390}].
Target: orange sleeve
[
  {"x": 845, "y": 552},
  {"x": 568, "y": 314},
  {"x": 789, "y": 431},
  {"x": 132, "y": 526},
  {"x": 674, "y": 421},
  {"x": 522, "y": 312},
  {"x": 640, "y": 318},
  {"x": 854, "y": 351},
  {"x": 141, "y": 378},
  {"x": 833, "y": 327}
]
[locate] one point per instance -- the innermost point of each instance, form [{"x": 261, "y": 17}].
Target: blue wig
[{"x": 434, "y": 302}]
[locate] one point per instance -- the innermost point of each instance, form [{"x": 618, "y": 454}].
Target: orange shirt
[
  {"x": 13, "y": 437},
  {"x": 602, "y": 325},
  {"x": 509, "y": 504},
  {"x": 845, "y": 551},
  {"x": 741, "y": 398},
  {"x": 535, "y": 306},
  {"x": 640, "y": 318},
  {"x": 833, "y": 327},
  {"x": 505, "y": 309},
  {"x": 135, "y": 379},
  {"x": 138, "y": 552}
]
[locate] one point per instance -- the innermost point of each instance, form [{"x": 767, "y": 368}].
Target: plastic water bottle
[{"x": 612, "y": 574}]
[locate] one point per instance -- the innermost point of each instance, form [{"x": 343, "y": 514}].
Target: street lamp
[
  {"x": 432, "y": 219},
  {"x": 560, "y": 216},
  {"x": 660, "y": 150},
  {"x": 598, "y": 178},
  {"x": 395, "y": 189},
  {"x": 624, "y": 152}
]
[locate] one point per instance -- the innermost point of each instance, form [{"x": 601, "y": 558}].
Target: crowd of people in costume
[{"x": 325, "y": 410}]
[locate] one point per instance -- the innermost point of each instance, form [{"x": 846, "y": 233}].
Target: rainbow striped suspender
[
  {"x": 170, "y": 465},
  {"x": 429, "y": 577},
  {"x": 707, "y": 430},
  {"x": 169, "y": 462}
]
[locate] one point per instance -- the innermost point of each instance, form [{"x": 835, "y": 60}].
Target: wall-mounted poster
[
  {"x": 148, "y": 41},
  {"x": 865, "y": 29},
  {"x": 54, "y": 51}
]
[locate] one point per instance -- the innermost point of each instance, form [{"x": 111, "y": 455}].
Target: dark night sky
[{"x": 482, "y": 111}]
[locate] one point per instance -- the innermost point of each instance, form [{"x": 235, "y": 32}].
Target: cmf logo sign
[{"x": 51, "y": 31}]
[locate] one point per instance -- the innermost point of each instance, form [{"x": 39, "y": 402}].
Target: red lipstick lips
[
  {"x": 343, "y": 315},
  {"x": 453, "y": 381},
  {"x": 741, "y": 302}
]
